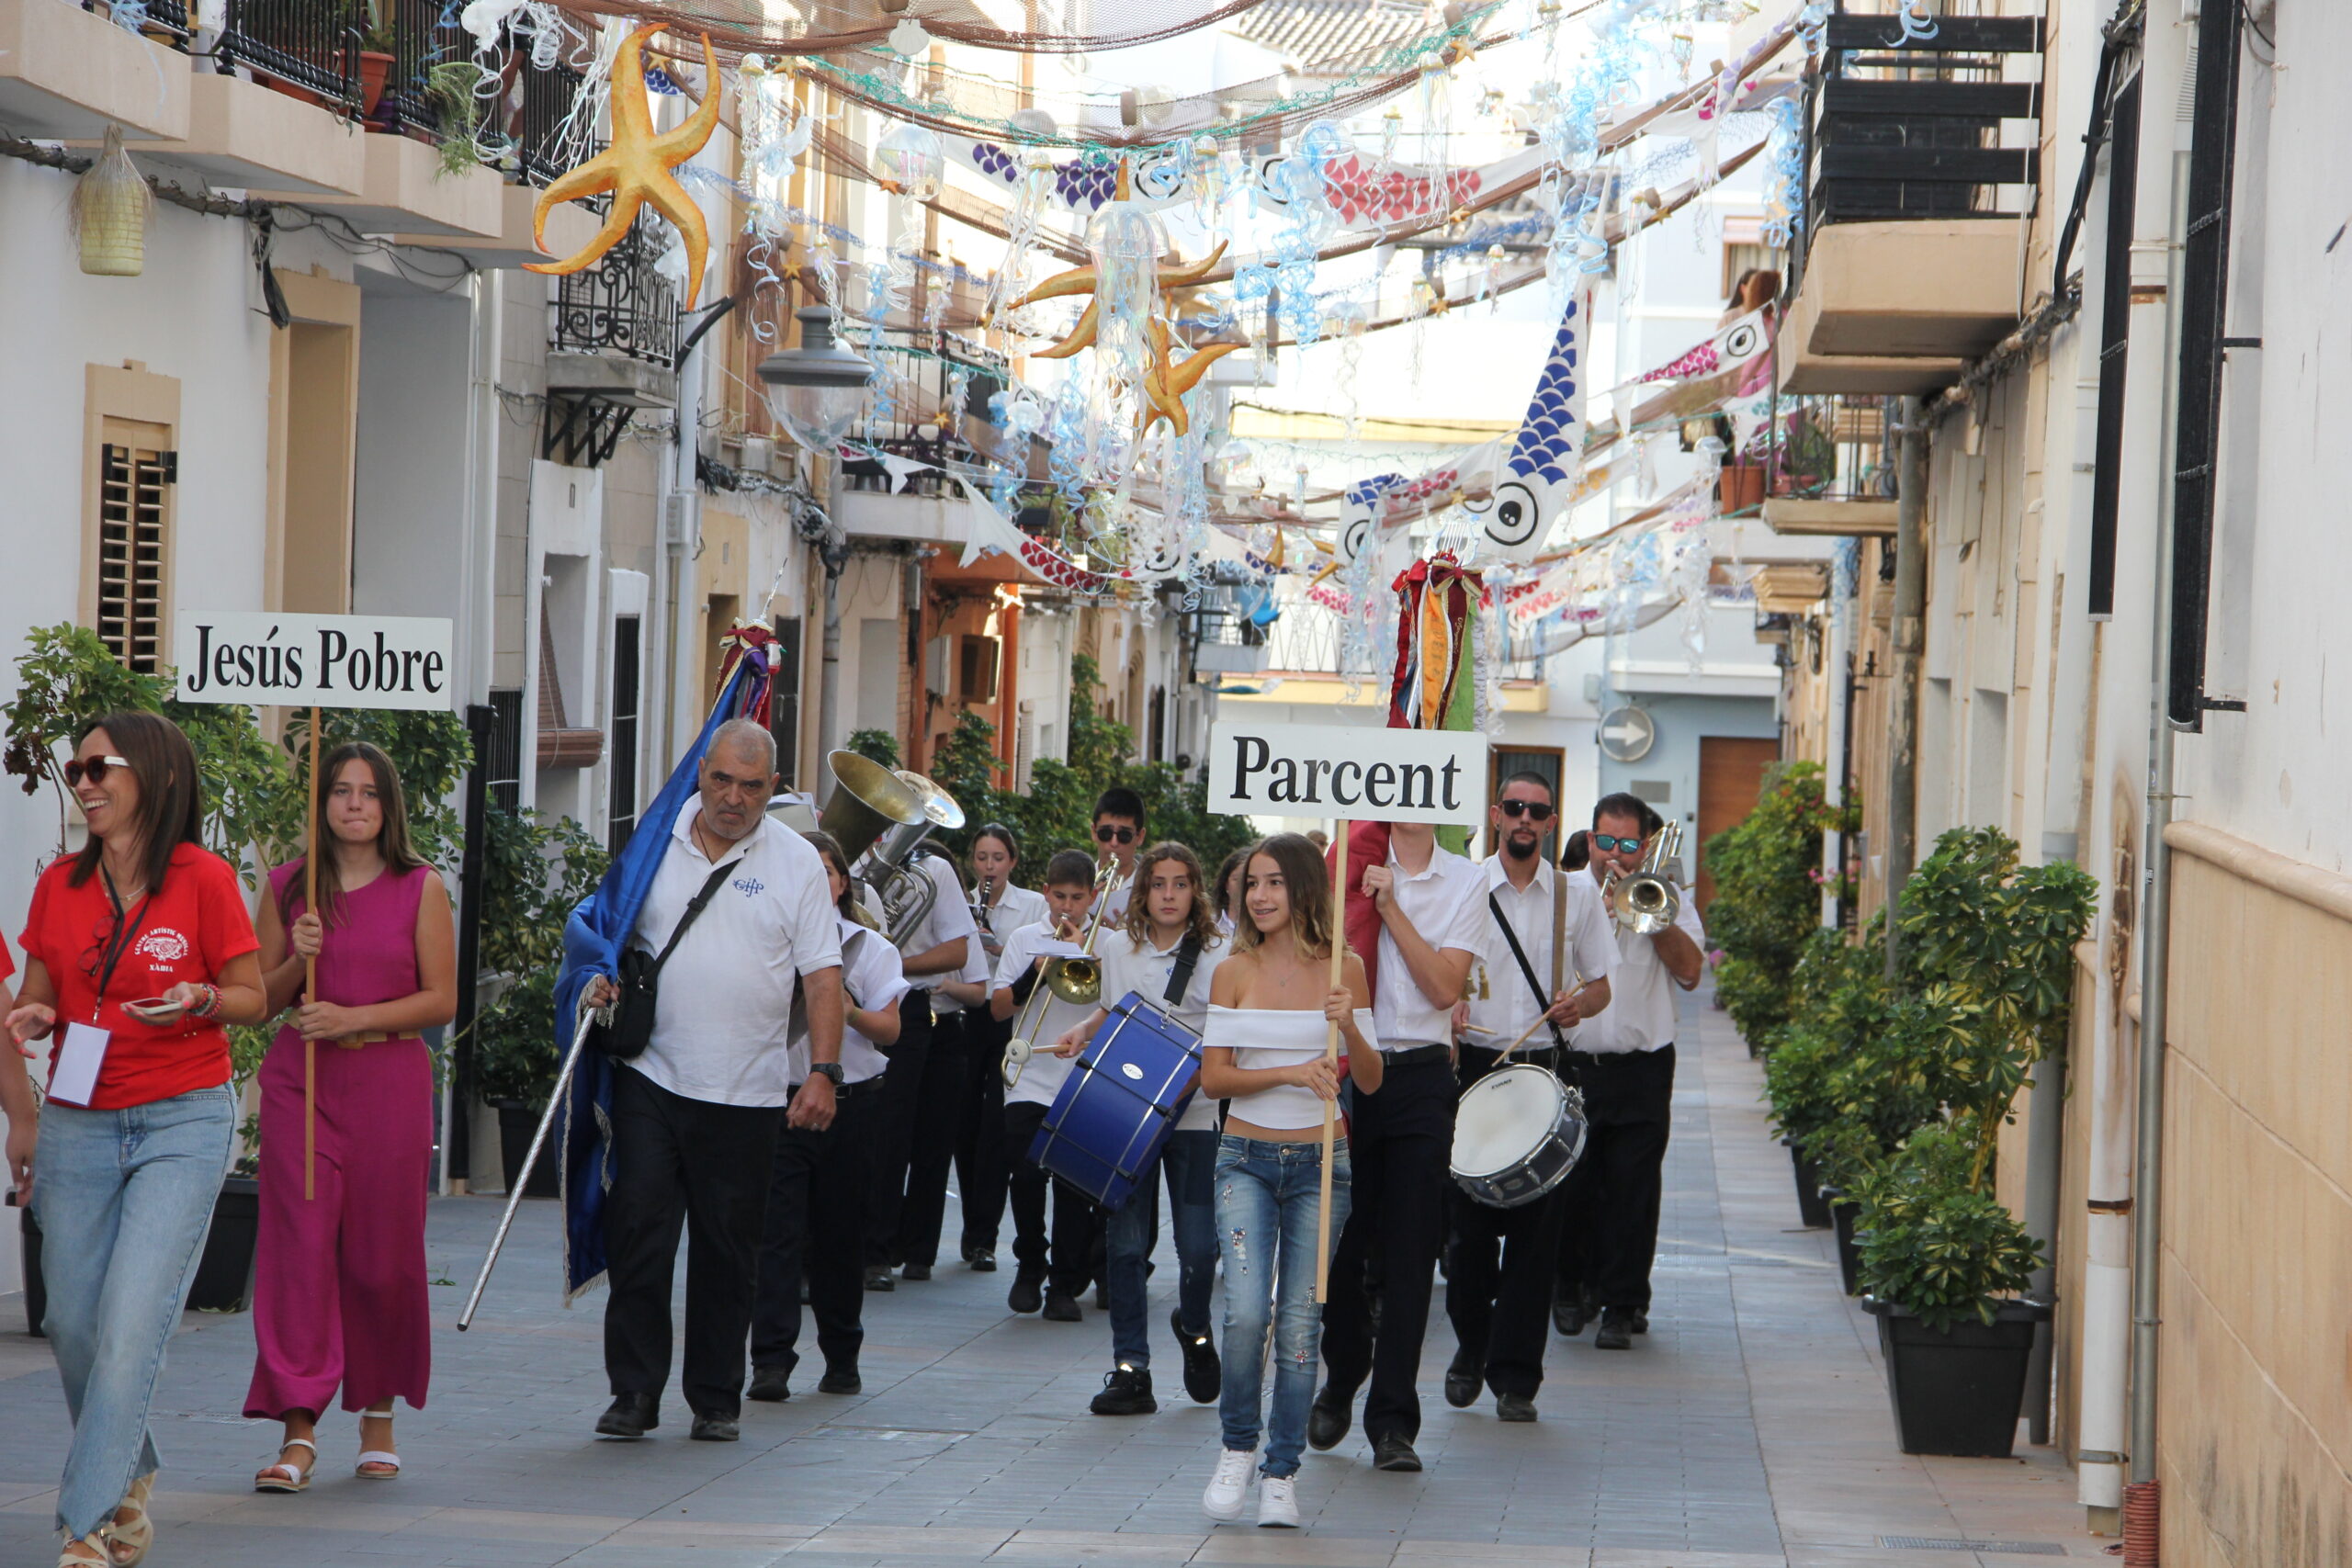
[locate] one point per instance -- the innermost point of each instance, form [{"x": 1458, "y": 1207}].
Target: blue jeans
[
  {"x": 1190, "y": 1160},
  {"x": 1268, "y": 1196},
  {"x": 123, "y": 1199}
]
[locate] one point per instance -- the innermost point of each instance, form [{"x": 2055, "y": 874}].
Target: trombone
[
  {"x": 1646, "y": 903},
  {"x": 1077, "y": 980}
]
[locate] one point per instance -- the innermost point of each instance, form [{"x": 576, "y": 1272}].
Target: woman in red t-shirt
[{"x": 136, "y": 950}]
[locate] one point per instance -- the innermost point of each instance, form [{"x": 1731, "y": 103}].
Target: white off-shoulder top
[{"x": 1275, "y": 1037}]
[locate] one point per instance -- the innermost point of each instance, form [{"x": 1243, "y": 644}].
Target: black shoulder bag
[
  {"x": 632, "y": 1028},
  {"x": 1543, "y": 1002}
]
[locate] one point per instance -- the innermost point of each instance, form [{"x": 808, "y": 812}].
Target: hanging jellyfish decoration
[{"x": 635, "y": 169}]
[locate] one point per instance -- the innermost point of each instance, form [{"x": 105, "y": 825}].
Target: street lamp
[{"x": 823, "y": 385}]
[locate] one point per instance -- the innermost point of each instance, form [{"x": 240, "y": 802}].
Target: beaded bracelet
[{"x": 210, "y": 1006}]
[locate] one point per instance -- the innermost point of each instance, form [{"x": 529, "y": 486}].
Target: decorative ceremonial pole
[
  {"x": 1332, "y": 1054},
  {"x": 311, "y": 974}
]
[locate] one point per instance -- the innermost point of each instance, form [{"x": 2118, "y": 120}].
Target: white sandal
[
  {"x": 285, "y": 1477},
  {"x": 127, "y": 1540},
  {"x": 384, "y": 1457}
]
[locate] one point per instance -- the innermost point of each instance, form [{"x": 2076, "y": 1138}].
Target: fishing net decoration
[{"x": 813, "y": 26}]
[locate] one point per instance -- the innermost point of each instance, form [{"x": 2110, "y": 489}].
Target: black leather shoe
[
  {"x": 1463, "y": 1381},
  {"x": 1204, "y": 1375},
  {"x": 841, "y": 1378},
  {"x": 1393, "y": 1452},
  {"x": 1641, "y": 1320},
  {"x": 715, "y": 1429},
  {"x": 1061, "y": 1308},
  {"x": 1125, "y": 1392},
  {"x": 629, "y": 1415},
  {"x": 915, "y": 1271},
  {"x": 1514, "y": 1407},
  {"x": 980, "y": 1259},
  {"x": 1326, "y": 1420},
  {"x": 1570, "y": 1313},
  {"x": 879, "y": 1277},
  {"x": 770, "y": 1385},
  {"x": 1616, "y": 1331},
  {"x": 1028, "y": 1293}
]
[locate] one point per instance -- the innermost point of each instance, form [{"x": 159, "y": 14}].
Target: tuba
[
  {"x": 1645, "y": 902},
  {"x": 881, "y": 816}
]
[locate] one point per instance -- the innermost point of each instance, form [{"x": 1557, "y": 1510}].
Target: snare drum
[
  {"x": 1517, "y": 1134},
  {"x": 1106, "y": 1128}
]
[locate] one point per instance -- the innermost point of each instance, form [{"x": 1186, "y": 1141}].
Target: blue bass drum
[{"x": 1106, "y": 1127}]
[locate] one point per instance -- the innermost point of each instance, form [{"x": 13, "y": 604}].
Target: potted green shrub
[{"x": 1767, "y": 906}]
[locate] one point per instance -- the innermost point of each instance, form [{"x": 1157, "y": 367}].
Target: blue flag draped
[{"x": 592, "y": 939}]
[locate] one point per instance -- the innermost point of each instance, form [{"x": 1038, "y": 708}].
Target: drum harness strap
[{"x": 1542, "y": 1003}]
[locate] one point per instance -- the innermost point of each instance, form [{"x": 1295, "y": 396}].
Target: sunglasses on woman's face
[
  {"x": 93, "y": 769},
  {"x": 1604, "y": 842},
  {"x": 1107, "y": 834},
  {"x": 1533, "y": 811}
]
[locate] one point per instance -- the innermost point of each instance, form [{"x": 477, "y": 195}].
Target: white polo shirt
[
  {"x": 1640, "y": 1014},
  {"x": 1131, "y": 965},
  {"x": 722, "y": 1016},
  {"x": 1446, "y": 903},
  {"x": 871, "y": 976},
  {"x": 1049, "y": 1021},
  {"x": 1502, "y": 1005},
  {"x": 948, "y": 919}
]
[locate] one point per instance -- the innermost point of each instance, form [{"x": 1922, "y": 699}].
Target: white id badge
[{"x": 75, "y": 1077}]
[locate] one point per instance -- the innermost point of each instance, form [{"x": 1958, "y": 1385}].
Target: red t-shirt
[{"x": 187, "y": 930}]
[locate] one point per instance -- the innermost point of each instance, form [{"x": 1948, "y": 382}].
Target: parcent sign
[{"x": 1347, "y": 770}]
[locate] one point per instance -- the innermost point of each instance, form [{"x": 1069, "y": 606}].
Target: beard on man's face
[{"x": 1521, "y": 844}]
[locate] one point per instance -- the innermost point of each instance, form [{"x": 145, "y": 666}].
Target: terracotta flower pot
[{"x": 375, "y": 69}]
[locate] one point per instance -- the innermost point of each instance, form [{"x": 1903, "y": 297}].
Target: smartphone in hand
[{"x": 156, "y": 1011}]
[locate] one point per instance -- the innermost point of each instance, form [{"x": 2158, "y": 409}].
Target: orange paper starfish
[
  {"x": 1167, "y": 381},
  {"x": 636, "y": 167},
  {"x": 1081, "y": 280}
]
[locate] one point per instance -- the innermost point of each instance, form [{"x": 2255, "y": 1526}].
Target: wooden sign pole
[
  {"x": 1332, "y": 1054},
  {"x": 310, "y": 975}
]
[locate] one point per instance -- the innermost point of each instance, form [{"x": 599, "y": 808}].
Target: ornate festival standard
[{"x": 636, "y": 167}]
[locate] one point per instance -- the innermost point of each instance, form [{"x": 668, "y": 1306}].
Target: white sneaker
[
  {"x": 1277, "y": 1502},
  {"x": 1229, "y": 1484}
]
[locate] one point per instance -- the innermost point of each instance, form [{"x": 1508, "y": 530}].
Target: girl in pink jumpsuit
[{"x": 339, "y": 1277}]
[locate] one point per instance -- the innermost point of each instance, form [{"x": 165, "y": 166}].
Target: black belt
[
  {"x": 1598, "y": 1057},
  {"x": 1414, "y": 1055},
  {"x": 845, "y": 1090},
  {"x": 1543, "y": 1057}
]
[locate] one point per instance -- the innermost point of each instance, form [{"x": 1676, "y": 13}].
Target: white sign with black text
[
  {"x": 328, "y": 661},
  {"x": 1347, "y": 770}
]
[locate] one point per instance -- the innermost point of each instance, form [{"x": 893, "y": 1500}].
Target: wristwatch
[{"x": 827, "y": 1069}]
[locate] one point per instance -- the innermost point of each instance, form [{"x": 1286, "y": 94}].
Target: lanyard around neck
[{"x": 126, "y": 930}]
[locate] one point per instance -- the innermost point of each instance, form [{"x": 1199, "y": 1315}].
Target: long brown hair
[
  {"x": 1308, "y": 881},
  {"x": 171, "y": 796},
  {"x": 830, "y": 848},
  {"x": 391, "y": 838},
  {"x": 1200, "y": 925}
]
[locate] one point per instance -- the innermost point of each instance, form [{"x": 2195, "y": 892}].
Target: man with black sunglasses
[
  {"x": 1118, "y": 832},
  {"x": 1504, "y": 1259},
  {"x": 1625, "y": 1058}
]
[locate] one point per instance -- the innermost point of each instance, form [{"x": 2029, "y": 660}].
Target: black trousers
[
  {"x": 1400, "y": 1140},
  {"x": 1064, "y": 1258},
  {"x": 816, "y": 1227},
  {"x": 937, "y": 1100},
  {"x": 1614, "y": 1196},
  {"x": 678, "y": 1161},
  {"x": 981, "y": 1173},
  {"x": 1499, "y": 1294},
  {"x": 894, "y": 1134}
]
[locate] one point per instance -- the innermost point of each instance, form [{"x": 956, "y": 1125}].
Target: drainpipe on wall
[{"x": 1910, "y": 641}]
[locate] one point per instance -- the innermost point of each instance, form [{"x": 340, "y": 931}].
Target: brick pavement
[{"x": 1749, "y": 1428}]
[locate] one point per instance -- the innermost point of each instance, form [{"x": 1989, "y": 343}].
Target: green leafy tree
[
  {"x": 1767, "y": 896},
  {"x": 876, "y": 746}
]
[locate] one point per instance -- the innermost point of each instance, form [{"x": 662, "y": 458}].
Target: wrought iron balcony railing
[
  {"x": 310, "y": 44},
  {"x": 622, "y": 304}
]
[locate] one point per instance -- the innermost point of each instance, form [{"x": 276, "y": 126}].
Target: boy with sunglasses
[
  {"x": 1118, "y": 832},
  {"x": 1504, "y": 1259},
  {"x": 1625, "y": 1059}
]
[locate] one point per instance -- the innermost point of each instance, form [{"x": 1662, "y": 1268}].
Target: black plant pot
[
  {"x": 36, "y": 1289},
  {"x": 1957, "y": 1390},
  {"x": 224, "y": 1275},
  {"x": 516, "y": 1123},
  {"x": 1842, "y": 1220},
  {"x": 1812, "y": 1211}
]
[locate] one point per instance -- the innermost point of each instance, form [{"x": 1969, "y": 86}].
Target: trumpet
[
  {"x": 1646, "y": 903},
  {"x": 1077, "y": 981}
]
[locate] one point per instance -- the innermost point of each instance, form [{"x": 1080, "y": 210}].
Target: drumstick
[{"x": 1332, "y": 1054}]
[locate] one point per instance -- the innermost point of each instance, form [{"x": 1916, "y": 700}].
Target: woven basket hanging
[{"x": 111, "y": 207}]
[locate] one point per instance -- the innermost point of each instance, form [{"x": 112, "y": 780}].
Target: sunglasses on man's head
[
  {"x": 1533, "y": 811},
  {"x": 1603, "y": 842},
  {"x": 93, "y": 770},
  {"x": 1108, "y": 834}
]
